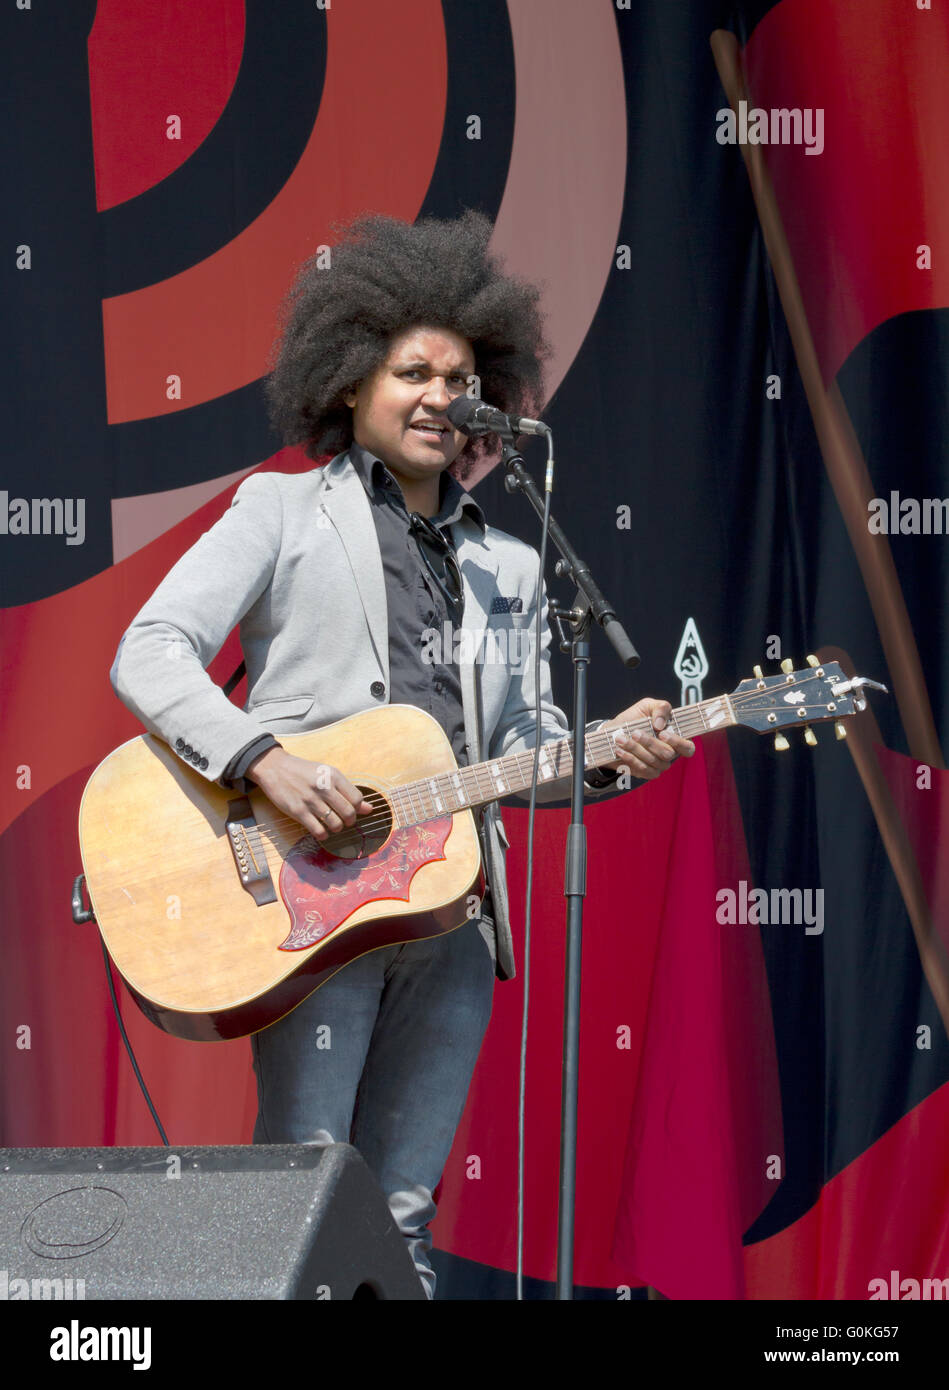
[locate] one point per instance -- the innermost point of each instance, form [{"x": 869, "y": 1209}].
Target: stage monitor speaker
[{"x": 280, "y": 1221}]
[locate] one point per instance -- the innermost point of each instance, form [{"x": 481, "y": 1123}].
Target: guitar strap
[{"x": 481, "y": 754}]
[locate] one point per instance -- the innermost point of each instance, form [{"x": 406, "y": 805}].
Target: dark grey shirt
[{"x": 421, "y": 669}]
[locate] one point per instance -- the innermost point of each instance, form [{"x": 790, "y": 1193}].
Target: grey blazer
[{"x": 295, "y": 561}]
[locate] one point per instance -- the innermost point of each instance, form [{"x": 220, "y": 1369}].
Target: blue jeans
[{"x": 381, "y": 1057}]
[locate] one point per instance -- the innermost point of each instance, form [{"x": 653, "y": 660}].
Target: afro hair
[{"x": 386, "y": 276}]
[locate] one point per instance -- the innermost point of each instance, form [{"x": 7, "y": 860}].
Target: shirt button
[
  {"x": 378, "y": 689},
  {"x": 203, "y": 764},
  {"x": 187, "y": 750},
  {"x": 439, "y": 687},
  {"x": 179, "y": 744}
]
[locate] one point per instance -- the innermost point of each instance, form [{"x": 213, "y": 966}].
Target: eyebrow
[{"x": 423, "y": 362}]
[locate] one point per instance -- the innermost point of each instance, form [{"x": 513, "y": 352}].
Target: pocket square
[{"x": 507, "y": 605}]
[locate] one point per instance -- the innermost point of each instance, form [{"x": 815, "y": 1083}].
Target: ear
[{"x": 349, "y": 398}]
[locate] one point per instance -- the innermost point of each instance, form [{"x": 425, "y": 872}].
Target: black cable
[
  {"x": 528, "y": 897},
  {"x": 128, "y": 1045}
]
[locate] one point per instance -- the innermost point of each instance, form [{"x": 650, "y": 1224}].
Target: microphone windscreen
[{"x": 461, "y": 413}]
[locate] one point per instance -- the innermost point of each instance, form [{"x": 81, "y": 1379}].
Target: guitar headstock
[{"x": 818, "y": 693}]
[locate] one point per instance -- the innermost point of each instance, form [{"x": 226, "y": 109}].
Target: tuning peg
[
  {"x": 787, "y": 665},
  {"x": 758, "y": 673},
  {"x": 810, "y": 738},
  {"x": 812, "y": 660},
  {"x": 840, "y": 728},
  {"x": 781, "y": 743}
]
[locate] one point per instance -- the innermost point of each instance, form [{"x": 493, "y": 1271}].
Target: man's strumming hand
[{"x": 317, "y": 795}]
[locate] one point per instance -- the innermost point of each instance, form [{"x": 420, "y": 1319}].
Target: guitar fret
[
  {"x": 716, "y": 715},
  {"x": 415, "y": 797},
  {"x": 477, "y": 773}
]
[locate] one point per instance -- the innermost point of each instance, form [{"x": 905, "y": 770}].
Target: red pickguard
[{"x": 321, "y": 891}]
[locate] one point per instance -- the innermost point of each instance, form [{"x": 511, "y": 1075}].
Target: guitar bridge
[{"x": 243, "y": 836}]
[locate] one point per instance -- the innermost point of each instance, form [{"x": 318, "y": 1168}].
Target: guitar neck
[{"x": 482, "y": 783}]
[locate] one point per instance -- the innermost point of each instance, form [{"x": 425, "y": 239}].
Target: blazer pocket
[
  {"x": 293, "y": 707},
  {"x": 499, "y": 621}
]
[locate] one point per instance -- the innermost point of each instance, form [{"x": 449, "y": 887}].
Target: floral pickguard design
[{"x": 321, "y": 891}]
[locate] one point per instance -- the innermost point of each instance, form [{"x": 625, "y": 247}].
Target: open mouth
[{"x": 430, "y": 431}]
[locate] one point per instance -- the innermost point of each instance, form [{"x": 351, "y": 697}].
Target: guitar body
[{"x": 221, "y": 914}]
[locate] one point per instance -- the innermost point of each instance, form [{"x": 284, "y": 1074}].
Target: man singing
[{"x": 335, "y": 577}]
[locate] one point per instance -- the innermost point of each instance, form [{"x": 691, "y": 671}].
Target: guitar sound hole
[{"x": 368, "y": 834}]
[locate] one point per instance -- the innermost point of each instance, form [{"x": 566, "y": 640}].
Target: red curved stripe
[
  {"x": 373, "y": 148},
  {"x": 149, "y": 62}
]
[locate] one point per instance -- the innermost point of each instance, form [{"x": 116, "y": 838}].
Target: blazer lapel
[
  {"x": 347, "y": 506},
  {"x": 479, "y": 571}
]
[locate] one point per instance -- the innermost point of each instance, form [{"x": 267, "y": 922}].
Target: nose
[{"x": 437, "y": 393}]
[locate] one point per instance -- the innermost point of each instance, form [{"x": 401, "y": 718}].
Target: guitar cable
[
  {"x": 128, "y": 1046},
  {"x": 80, "y": 915}
]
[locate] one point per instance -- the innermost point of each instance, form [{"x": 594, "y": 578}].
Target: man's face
[{"x": 399, "y": 411}]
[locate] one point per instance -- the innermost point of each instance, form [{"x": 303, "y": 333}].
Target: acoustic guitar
[{"x": 221, "y": 913}]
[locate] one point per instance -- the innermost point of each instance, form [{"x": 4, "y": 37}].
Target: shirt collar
[{"x": 455, "y": 500}]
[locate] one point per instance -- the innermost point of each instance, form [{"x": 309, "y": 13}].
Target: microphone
[{"x": 472, "y": 417}]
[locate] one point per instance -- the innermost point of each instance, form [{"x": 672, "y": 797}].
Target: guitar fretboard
[{"x": 423, "y": 800}]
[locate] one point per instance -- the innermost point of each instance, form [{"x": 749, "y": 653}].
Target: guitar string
[{"x": 417, "y": 788}]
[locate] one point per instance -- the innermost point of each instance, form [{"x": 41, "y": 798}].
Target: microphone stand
[{"x": 589, "y": 602}]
